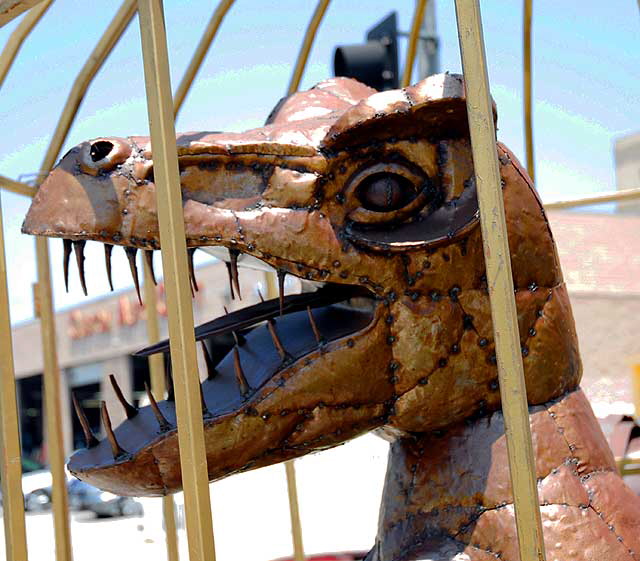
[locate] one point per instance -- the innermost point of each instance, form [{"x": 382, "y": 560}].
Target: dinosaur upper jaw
[{"x": 104, "y": 189}]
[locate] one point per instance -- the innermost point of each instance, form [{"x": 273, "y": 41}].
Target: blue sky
[{"x": 586, "y": 90}]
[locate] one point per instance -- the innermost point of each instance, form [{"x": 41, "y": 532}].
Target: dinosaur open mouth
[{"x": 246, "y": 352}]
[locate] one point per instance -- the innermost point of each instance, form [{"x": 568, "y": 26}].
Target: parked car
[{"x": 83, "y": 496}]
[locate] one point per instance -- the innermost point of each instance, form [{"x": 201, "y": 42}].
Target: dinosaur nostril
[{"x": 100, "y": 150}]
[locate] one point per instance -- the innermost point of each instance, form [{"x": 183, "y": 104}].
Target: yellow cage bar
[
  {"x": 201, "y": 51},
  {"x": 156, "y": 371},
  {"x": 51, "y": 369},
  {"x": 17, "y": 187},
  {"x": 51, "y": 378},
  {"x": 307, "y": 43},
  {"x": 11, "y": 468},
  {"x": 528, "y": 99},
  {"x": 412, "y": 44},
  {"x": 500, "y": 282},
  {"x": 11, "y": 9},
  {"x": 174, "y": 253}
]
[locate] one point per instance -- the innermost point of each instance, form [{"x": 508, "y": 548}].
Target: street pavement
[{"x": 339, "y": 492}]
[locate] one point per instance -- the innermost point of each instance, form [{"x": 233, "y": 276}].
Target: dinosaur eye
[
  {"x": 383, "y": 192},
  {"x": 100, "y": 150},
  {"x": 387, "y": 192},
  {"x": 103, "y": 155}
]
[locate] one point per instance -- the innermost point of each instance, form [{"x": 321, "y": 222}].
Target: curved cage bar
[
  {"x": 412, "y": 43},
  {"x": 307, "y": 43},
  {"x": 200, "y": 53}
]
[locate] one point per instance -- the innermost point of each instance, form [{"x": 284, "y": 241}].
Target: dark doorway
[
  {"x": 140, "y": 369},
  {"x": 31, "y": 417}
]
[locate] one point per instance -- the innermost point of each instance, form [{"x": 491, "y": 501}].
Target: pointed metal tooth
[
  {"x": 116, "y": 449},
  {"x": 192, "y": 272},
  {"x": 211, "y": 371},
  {"x": 233, "y": 296},
  {"x": 65, "y": 262},
  {"x": 205, "y": 409},
  {"x": 148, "y": 257},
  {"x": 131, "y": 256},
  {"x": 281, "y": 276},
  {"x": 89, "y": 437},
  {"x": 108, "y": 248},
  {"x": 314, "y": 327},
  {"x": 78, "y": 248},
  {"x": 162, "y": 420},
  {"x": 235, "y": 279},
  {"x": 168, "y": 378},
  {"x": 260, "y": 295},
  {"x": 129, "y": 409},
  {"x": 240, "y": 377},
  {"x": 271, "y": 326}
]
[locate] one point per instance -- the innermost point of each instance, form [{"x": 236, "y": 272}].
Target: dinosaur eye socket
[
  {"x": 103, "y": 155},
  {"x": 387, "y": 192},
  {"x": 100, "y": 150},
  {"x": 384, "y": 192}
]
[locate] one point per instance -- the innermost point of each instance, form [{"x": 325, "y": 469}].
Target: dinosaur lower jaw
[{"x": 253, "y": 353}]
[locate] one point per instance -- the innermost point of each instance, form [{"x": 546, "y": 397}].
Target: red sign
[{"x": 86, "y": 323}]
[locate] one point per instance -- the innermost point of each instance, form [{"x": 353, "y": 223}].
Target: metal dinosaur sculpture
[{"x": 371, "y": 196}]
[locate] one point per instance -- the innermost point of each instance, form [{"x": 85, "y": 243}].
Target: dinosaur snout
[{"x": 84, "y": 205}]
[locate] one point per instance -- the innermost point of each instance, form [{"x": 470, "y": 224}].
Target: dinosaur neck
[{"x": 441, "y": 488}]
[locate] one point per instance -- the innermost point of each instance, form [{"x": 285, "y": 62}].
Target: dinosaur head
[{"x": 371, "y": 197}]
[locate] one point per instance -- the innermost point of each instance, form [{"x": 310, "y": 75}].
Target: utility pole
[{"x": 429, "y": 50}]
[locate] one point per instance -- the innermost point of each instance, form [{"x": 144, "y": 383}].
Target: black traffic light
[{"x": 376, "y": 62}]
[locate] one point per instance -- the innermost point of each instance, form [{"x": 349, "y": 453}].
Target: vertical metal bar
[
  {"x": 500, "y": 281},
  {"x": 290, "y": 468},
  {"x": 193, "y": 458},
  {"x": 11, "y": 467},
  {"x": 156, "y": 369},
  {"x": 18, "y": 36},
  {"x": 201, "y": 51},
  {"x": 412, "y": 45},
  {"x": 53, "y": 413},
  {"x": 294, "y": 510},
  {"x": 528, "y": 100},
  {"x": 47, "y": 325},
  {"x": 307, "y": 43},
  {"x": 272, "y": 292}
]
